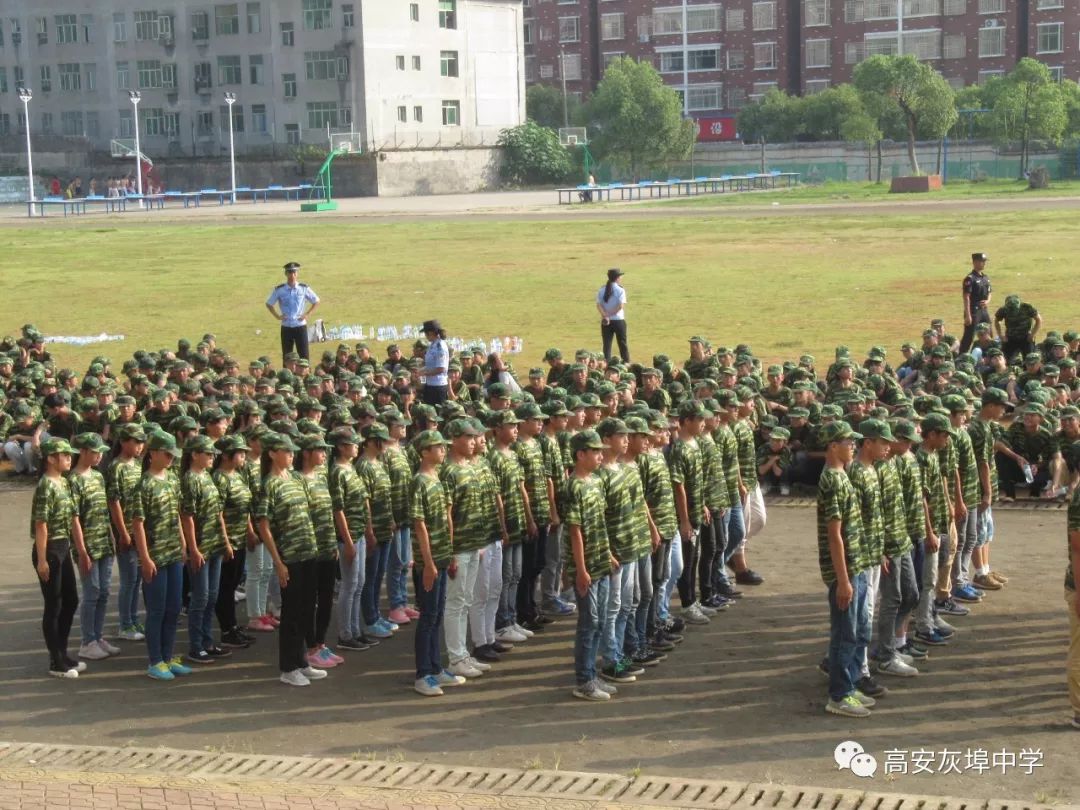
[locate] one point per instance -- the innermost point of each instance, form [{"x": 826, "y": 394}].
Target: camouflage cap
[
  {"x": 876, "y": 429},
  {"x": 610, "y": 427},
  {"x": 937, "y": 422},
  {"x": 837, "y": 431},
  {"x": 90, "y": 441},
  {"x": 427, "y": 439},
  {"x": 586, "y": 440}
]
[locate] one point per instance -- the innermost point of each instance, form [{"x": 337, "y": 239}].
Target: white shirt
[
  {"x": 292, "y": 301},
  {"x": 613, "y": 306},
  {"x": 438, "y": 356}
]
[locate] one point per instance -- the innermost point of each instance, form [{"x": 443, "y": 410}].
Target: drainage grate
[{"x": 566, "y": 790}]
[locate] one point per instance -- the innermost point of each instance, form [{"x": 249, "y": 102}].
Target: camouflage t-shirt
[
  {"x": 893, "y": 509},
  {"x": 712, "y": 468},
  {"x": 686, "y": 467},
  {"x": 199, "y": 498},
  {"x": 656, "y": 483},
  {"x": 725, "y": 439},
  {"x": 236, "y": 504},
  {"x": 53, "y": 506},
  {"x": 982, "y": 435},
  {"x": 348, "y": 495},
  {"x": 968, "y": 468},
  {"x": 157, "y": 504},
  {"x": 619, "y": 512},
  {"x": 910, "y": 473},
  {"x": 401, "y": 474},
  {"x": 508, "y": 478},
  {"x": 535, "y": 469},
  {"x": 868, "y": 490},
  {"x": 284, "y": 504},
  {"x": 584, "y": 500},
  {"x": 933, "y": 484},
  {"x": 837, "y": 501},
  {"x": 466, "y": 493},
  {"x": 1018, "y": 322},
  {"x": 92, "y": 506},
  {"x": 1038, "y": 447},
  {"x": 428, "y": 503},
  {"x": 121, "y": 482},
  {"x": 377, "y": 483},
  {"x": 744, "y": 433},
  {"x": 322, "y": 513}
]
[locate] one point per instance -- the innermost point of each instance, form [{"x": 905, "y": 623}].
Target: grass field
[{"x": 782, "y": 284}]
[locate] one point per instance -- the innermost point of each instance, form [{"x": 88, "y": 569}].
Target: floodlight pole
[
  {"x": 230, "y": 99},
  {"x": 25, "y": 94},
  {"x": 562, "y": 73},
  {"x": 136, "y": 97}
]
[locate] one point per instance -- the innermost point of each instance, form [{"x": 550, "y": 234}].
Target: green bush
[{"x": 533, "y": 156}]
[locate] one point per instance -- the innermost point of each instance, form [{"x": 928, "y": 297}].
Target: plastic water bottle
[{"x": 1029, "y": 476}]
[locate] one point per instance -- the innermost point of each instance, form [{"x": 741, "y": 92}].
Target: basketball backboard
[
  {"x": 345, "y": 142},
  {"x": 573, "y": 136}
]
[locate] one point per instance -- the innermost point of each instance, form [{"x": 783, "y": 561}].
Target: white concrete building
[{"x": 401, "y": 73}]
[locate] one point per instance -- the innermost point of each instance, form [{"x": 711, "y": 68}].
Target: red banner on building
[{"x": 716, "y": 128}]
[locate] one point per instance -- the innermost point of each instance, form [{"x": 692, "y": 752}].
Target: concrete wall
[{"x": 435, "y": 171}]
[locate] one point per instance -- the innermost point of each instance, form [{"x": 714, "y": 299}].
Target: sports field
[{"x": 783, "y": 284}]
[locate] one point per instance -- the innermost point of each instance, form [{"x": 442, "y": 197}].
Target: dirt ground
[{"x": 741, "y": 699}]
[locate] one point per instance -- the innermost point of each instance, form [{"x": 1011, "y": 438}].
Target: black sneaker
[
  {"x": 616, "y": 674},
  {"x": 245, "y": 634},
  {"x": 631, "y": 666},
  {"x": 729, "y": 591},
  {"x": 823, "y": 667},
  {"x": 535, "y": 625},
  {"x": 653, "y": 655},
  {"x": 871, "y": 688},
  {"x": 750, "y": 577},
  {"x": 675, "y": 624},
  {"x": 501, "y": 647},
  {"x": 231, "y": 638},
  {"x": 352, "y": 644},
  {"x": 201, "y": 657},
  {"x": 645, "y": 658},
  {"x": 485, "y": 653},
  {"x": 218, "y": 652},
  {"x": 658, "y": 642},
  {"x": 674, "y": 638},
  {"x": 543, "y": 618},
  {"x": 368, "y": 640},
  {"x": 915, "y": 651}
]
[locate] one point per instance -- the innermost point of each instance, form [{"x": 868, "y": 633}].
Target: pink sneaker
[
  {"x": 412, "y": 613},
  {"x": 333, "y": 656},
  {"x": 321, "y": 659},
  {"x": 271, "y": 620},
  {"x": 260, "y": 625},
  {"x": 398, "y": 616}
]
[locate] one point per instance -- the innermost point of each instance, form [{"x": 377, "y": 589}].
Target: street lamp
[
  {"x": 136, "y": 97},
  {"x": 230, "y": 99},
  {"x": 25, "y": 94}
]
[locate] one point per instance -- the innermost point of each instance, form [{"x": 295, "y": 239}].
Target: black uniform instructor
[
  {"x": 976, "y": 299},
  {"x": 292, "y": 299}
]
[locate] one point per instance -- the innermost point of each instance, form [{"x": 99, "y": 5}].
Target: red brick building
[{"x": 721, "y": 54}]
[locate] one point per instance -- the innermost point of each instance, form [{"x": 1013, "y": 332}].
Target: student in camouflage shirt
[
  {"x": 541, "y": 490},
  {"x": 966, "y": 503},
  {"x": 517, "y": 516},
  {"x": 774, "y": 462},
  {"x": 937, "y": 432},
  {"x": 1030, "y": 438},
  {"x": 121, "y": 481},
  {"x": 376, "y": 478},
  {"x": 284, "y": 523},
  {"x": 647, "y": 540},
  {"x": 158, "y": 536},
  {"x": 94, "y": 544},
  {"x": 551, "y": 577},
  {"x": 237, "y": 505},
  {"x": 1022, "y": 323},
  {"x": 1073, "y": 602},
  {"x": 659, "y": 495},
  {"x": 588, "y": 560},
  {"x": 313, "y": 473},
  {"x": 354, "y": 534},
  {"x": 717, "y": 500},
  {"x": 843, "y": 562},
  {"x": 985, "y": 433},
  {"x": 401, "y": 473},
  {"x": 53, "y": 522},
  {"x": 688, "y": 484},
  {"x": 753, "y": 502}
]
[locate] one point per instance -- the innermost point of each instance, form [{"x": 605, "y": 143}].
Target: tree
[
  {"x": 825, "y": 113},
  {"x": 1030, "y": 106},
  {"x": 861, "y": 127},
  {"x": 533, "y": 155},
  {"x": 544, "y": 105},
  {"x": 638, "y": 119},
  {"x": 775, "y": 118},
  {"x": 923, "y": 98}
]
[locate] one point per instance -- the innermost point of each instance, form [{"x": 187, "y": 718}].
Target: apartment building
[
  {"x": 401, "y": 73},
  {"x": 719, "y": 55}
]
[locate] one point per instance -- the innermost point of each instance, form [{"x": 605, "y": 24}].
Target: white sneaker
[
  {"x": 313, "y": 674},
  {"x": 604, "y": 686},
  {"x": 705, "y": 610},
  {"x": 294, "y": 678},
  {"x": 130, "y": 634},
  {"x": 428, "y": 686},
  {"x": 907, "y": 659},
  {"x": 446, "y": 678},
  {"x": 510, "y": 634},
  {"x": 464, "y": 669},
  {"x": 894, "y": 666},
  {"x": 239, "y": 595},
  {"x": 785, "y": 489},
  {"x": 522, "y": 631},
  {"x": 692, "y": 615},
  {"x": 64, "y": 673},
  {"x": 480, "y": 665},
  {"x": 111, "y": 649},
  {"x": 92, "y": 652}
]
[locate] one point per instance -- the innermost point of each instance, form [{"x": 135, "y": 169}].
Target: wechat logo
[{"x": 850, "y": 755}]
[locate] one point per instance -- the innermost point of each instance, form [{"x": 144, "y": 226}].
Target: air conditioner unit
[
  {"x": 644, "y": 38},
  {"x": 992, "y": 24}
]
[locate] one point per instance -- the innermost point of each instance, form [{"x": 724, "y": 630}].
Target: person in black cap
[
  {"x": 436, "y": 365},
  {"x": 611, "y": 304},
  {"x": 976, "y": 299},
  {"x": 292, "y": 299}
]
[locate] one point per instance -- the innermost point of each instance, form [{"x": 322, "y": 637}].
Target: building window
[
  {"x": 703, "y": 19},
  {"x": 736, "y": 60},
  {"x": 292, "y": 134},
  {"x": 531, "y": 73},
  {"x": 71, "y": 124},
  {"x": 328, "y": 113},
  {"x": 86, "y": 22},
  {"x": 955, "y": 46},
  {"x": 255, "y": 68},
  {"x": 612, "y": 26},
  {"x": 815, "y": 86},
  {"x": 451, "y": 113},
  {"x": 288, "y": 81},
  {"x": 203, "y": 76},
  {"x": 764, "y": 55},
  {"x": 288, "y": 35},
  {"x": 254, "y": 18},
  {"x": 153, "y": 121},
  {"x": 571, "y": 66},
  {"x": 736, "y": 98},
  {"x": 667, "y": 21},
  {"x": 854, "y": 11},
  {"x": 955, "y": 7},
  {"x": 229, "y": 70},
  {"x": 119, "y": 27},
  {"x": 1057, "y": 73},
  {"x": 1042, "y": 5},
  {"x": 818, "y": 54},
  {"x": 986, "y": 75},
  {"x": 328, "y": 65},
  {"x": 991, "y": 6},
  {"x": 227, "y": 19},
  {"x": 5, "y": 124},
  {"x": 402, "y": 114},
  {"x": 418, "y": 114},
  {"x": 348, "y": 18},
  {"x": 416, "y": 63},
  {"x": 610, "y": 56},
  {"x": 258, "y": 119},
  {"x": 923, "y": 44},
  {"x": 991, "y": 42},
  {"x": 547, "y": 71},
  {"x": 204, "y": 123},
  {"x": 317, "y": 15},
  {"x": 1050, "y": 37},
  {"x": 448, "y": 63},
  {"x": 399, "y": 61},
  {"x": 93, "y": 127},
  {"x": 127, "y": 124},
  {"x": 922, "y": 8},
  {"x": 149, "y": 73},
  {"x": 67, "y": 31},
  {"x": 123, "y": 76},
  {"x": 816, "y": 12},
  {"x": 200, "y": 26},
  {"x": 671, "y": 61},
  {"x": 765, "y": 15},
  {"x": 704, "y": 97},
  {"x": 414, "y": 12},
  {"x": 3, "y": 80},
  {"x": 447, "y": 13},
  {"x": 70, "y": 76},
  {"x": 880, "y": 10},
  {"x": 145, "y": 25},
  {"x": 735, "y": 19},
  {"x": 703, "y": 59},
  {"x": 237, "y": 117},
  {"x": 46, "y": 79},
  {"x": 569, "y": 29}
]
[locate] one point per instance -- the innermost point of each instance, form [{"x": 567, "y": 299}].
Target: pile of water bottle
[
  {"x": 508, "y": 344},
  {"x": 82, "y": 340}
]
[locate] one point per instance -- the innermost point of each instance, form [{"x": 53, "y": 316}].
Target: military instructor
[
  {"x": 292, "y": 299},
  {"x": 976, "y": 291}
]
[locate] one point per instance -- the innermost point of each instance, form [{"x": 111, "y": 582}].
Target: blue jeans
[
  {"x": 162, "y": 595},
  {"x": 663, "y": 610},
  {"x": 590, "y": 626},
  {"x": 397, "y": 577},
  {"x": 259, "y": 570},
  {"x": 204, "y": 592},
  {"x": 374, "y": 570},
  {"x": 849, "y": 636},
  {"x": 511, "y": 576},
  {"x": 620, "y": 606},
  {"x": 95, "y": 599},
  {"x": 350, "y": 624},
  {"x": 639, "y": 630},
  {"x": 432, "y": 605},
  {"x": 985, "y": 527},
  {"x": 128, "y": 563},
  {"x": 736, "y": 531}
]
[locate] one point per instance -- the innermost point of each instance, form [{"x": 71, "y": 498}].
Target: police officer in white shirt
[
  {"x": 292, "y": 299},
  {"x": 611, "y": 304},
  {"x": 436, "y": 365}
]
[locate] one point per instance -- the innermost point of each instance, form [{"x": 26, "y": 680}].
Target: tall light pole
[
  {"x": 25, "y": 94},
  {"x": 562, "y": 73},
  {"x": 136, "y": 97},
  {"x": 230, "y": 99}
]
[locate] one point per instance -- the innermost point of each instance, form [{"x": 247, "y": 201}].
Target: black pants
[
  {"x": 232, "y": 571},
  {"x": 687, "y": 583},
  {"x": 533, "y": 560},
  {"x": 661, "y": 570},
  {"x": 297, "y": 615},
  {"x": 979, "y": 314},
  {"x": 294, "y": 338},
  {"x": 617, "y": 330},
  {"x": 1010, "y": 476},
  {"x": 61, "y": 599},
  {"x": 1017, "y": 345},
  {"x": 435, "y": 394},
  {"x": 325, "y": 576}
]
